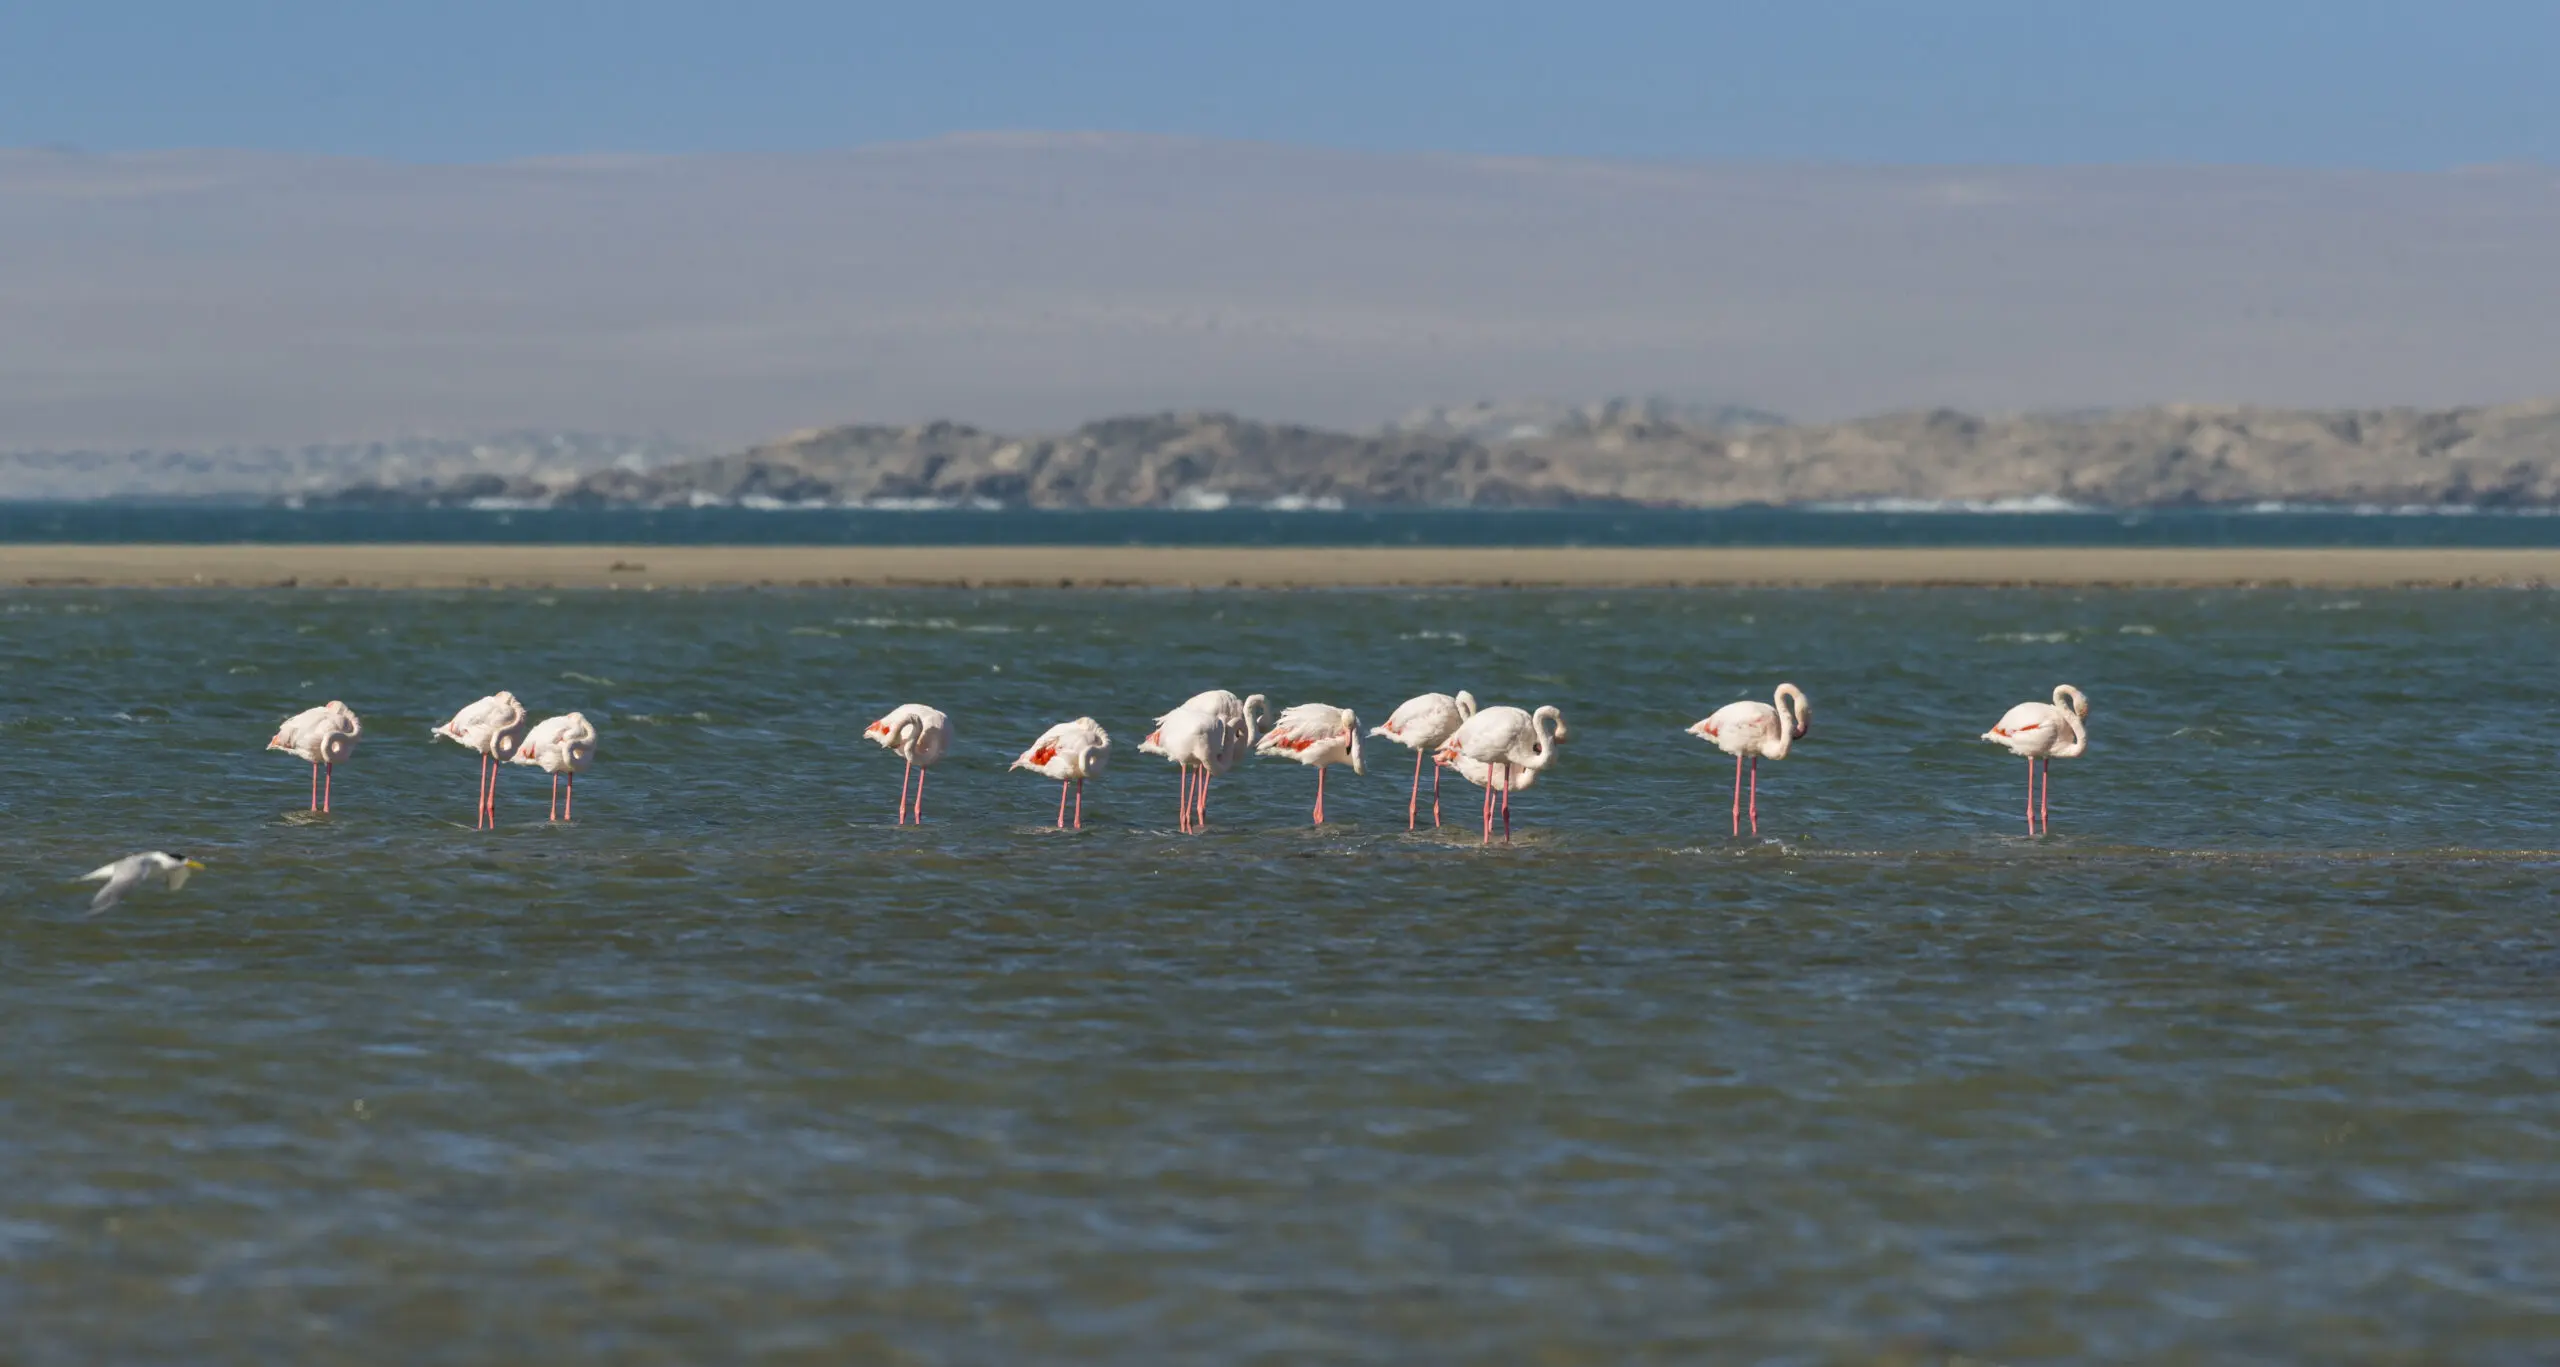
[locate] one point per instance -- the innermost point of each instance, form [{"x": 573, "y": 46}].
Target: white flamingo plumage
[
  {"x": 1316, "y": 734},
  {"x": 1245, "y": 717},
  {"x": 1421, "y": 724},
  {"x": 325, "y": 736},
  {"x": 1508, "y": 740},
  {"x": 565, "y": 744},
  {"x": 1756, "y": 731},
  {"x": 2047, "y": 732},
  {"x": 1194, "y": 741},
  {"x": 493, "y": 726},
  {"x": 1069, "y": 752},
  {"x": 918, "y": 734}
]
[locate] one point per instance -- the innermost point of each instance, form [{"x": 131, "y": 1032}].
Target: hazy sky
[
  {"x": 2338, "y": 83},
  {"x": 722, "y": 222}
]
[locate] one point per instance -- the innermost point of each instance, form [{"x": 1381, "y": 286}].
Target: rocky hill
[
  {"x": 288, "y": 473},
  {"x": 1622, "y": 454}
]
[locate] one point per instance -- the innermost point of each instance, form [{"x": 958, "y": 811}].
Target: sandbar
[{"x": 455, "y": 566}]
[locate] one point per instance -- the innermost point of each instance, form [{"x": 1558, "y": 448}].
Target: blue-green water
[
  {"x": 2254, "y": 1059},
  {"x": 1597, "y": 526}
]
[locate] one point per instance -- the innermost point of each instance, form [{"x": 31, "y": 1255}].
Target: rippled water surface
[{"x": 2254, "y": 1060}]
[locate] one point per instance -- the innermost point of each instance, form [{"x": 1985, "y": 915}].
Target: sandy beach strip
[{"x": 444, "y": 566}]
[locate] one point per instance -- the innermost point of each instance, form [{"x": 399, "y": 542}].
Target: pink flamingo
[
  {"x": 493, "y": 726},
  {"x": 1316, "y": 734},
  {"x": 1421, "y": 724},
  {"x": 565, "y": 744},
  {"x": 1509, "y": 740},
  {"x": 1759, "y": 731},
  {"x": 920, "y": 734},
  {"x": 2044, "y": 731},
  {"x": 1070, "y": 752},
  {"x": 325, "y": 736},
  {"x": 1194, "y": 741}
]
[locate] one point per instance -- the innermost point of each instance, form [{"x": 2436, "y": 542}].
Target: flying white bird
[
  {"x": 1421, "y": 724},
  {"x": 493, "y": 726},
  {"x": 324, "y": 736},
  {"x": 918, "y": 734},
  {"x": 1759, "y": 731},
  {"x": 1316, "y": 734},
  {"x": 128, "y": 873},
  {"x": 565, "y": 744},
  {"x": 1070, "y": 752},
  {"x": 2044, "y": 731}
]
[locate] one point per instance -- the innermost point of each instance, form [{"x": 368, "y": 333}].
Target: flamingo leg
[
  {"x": 1079, "y": 804},
  {"x": 1755, "y": 795},
  {"x": 315, "y": 785},
  {"x": 493, "y": 792},
  {"x": 2044, "y": 804},
  {"x": 1186, "y": 799},
  {"x": 1737, "y": 795},
  {"x": 2031, "y": 795},
  {"x": 1506, "y": 804},
  {"x": 1413, "y": 804},
  {"x": 1435, "y": 795},
  {"x": 908, "y": 773},
  {"x": 569, "y": 801},
  {"x": 1062, "y": 802},
  {"x": 1205, "y": 776},
  {"x": 920, "y": 773},
  {"x": 328, "y": 780},
  {"x": 1319, "y": 794},
  {"x": 1485, "y": 831},
  {"x": 480, "y": 800}
]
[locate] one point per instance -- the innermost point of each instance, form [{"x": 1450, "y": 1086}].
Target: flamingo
[
  {"x": 1316, "y": 734},
  {"x": 1760, "y": 731},
  {"x": 920, "y": 734},
  {"x": 566, "y": 744},
  {"x": 1422, "y": 723},
  {"x": 1070, "y": 752},
  {"x": 1193, "y": 740},
  {"x": 1240, "y": 721},
  {"x": 324, "y": 736},
  {"x": 1509, "y": 740},
  {"x": 2046, "y": 731},
  {"x": 494, "y": 726}
]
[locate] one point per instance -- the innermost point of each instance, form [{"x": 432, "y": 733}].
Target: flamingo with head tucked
[
  {"x": 1421, "y": 724},
  {"x": 493, "y": 726},
  {"x": 1070, "y": 752},
  {"x": 1757, "y": 731},
  {"x": 1509, "y": 740},
  {"x": 919, "y": 735},
  {"x": 1316, "y": 734},
  {"x": 325, "y": 736},
  {"x": 1194, "y": 741},
  {"x": 2047, "y": 732},
  {"x": 566, "y": 744}
]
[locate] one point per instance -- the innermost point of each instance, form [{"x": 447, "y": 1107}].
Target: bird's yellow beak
[{"x": 195, "y": 865}]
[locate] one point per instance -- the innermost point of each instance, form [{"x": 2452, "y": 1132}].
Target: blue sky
[{"x": 2280, "y": 82}]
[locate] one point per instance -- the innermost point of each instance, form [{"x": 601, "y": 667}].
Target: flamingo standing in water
[
  {"x": 1422, "y": 723},
  {"x": 2044, "y": 731},
  {"x": 565, "y": 744},
  {"x": 493, "y": 726},
  {"x": 1759, "y": 731},
  {"x": 1194, "y": 741},
  {"x": 325, "y": 736},
  {"x": 1317, "y": 734},
  {"x": 920, "y": 735},
  {"x": 1070, "y": 752},
  {"x": 1508, "y": 740}
]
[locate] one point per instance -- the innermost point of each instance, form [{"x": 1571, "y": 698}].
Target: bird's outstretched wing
[{"x": 121, "y": 876}]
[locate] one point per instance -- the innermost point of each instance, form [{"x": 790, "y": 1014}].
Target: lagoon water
[{"x": 2256, "y": 1058}]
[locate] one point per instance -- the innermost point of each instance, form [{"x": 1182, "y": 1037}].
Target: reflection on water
[{"x": 2254, "y": 1059}]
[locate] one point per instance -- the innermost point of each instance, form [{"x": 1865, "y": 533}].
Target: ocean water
[
  {"x": 1886, "y": 525},
  {"x": 2255, "y": 1058}
]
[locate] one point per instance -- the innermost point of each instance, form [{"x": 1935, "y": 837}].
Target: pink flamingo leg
[
  {"x": 315, "y": 785},
  {"x": 1413, "y": 804},
  {"x": 480, "y": 800},
  {"x": 2031, "y": 795},
  {"x": 1079, "y": 804},
  {"x": 1506, "y": 804},
  {"x": 2044, "y": 805},
  {"x": 1435, "y": 795},
  {"x": 1755, "y": 795},
  {"x": 1737, "y": 795},
  {"x": 328, "y": 780},
  {"x": 1203, "y": 820},
  {"x": 1485, "y": 827},
  {"x": 569, "y": 801},
  {"x": 904, "y": 775},
  {"x": 1062, "y": 803},
  {"x": 1186, "y": 798},
  {"x": 493, "y": 792},
  {"x": 920, "y": 773},
  {"x": 1319, "y": 794}
]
